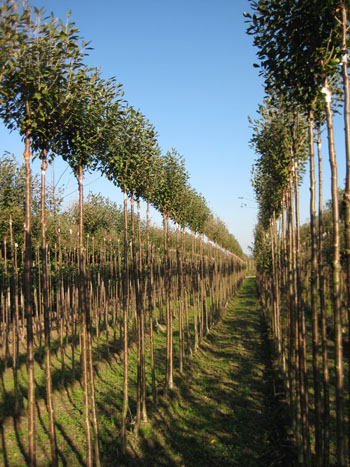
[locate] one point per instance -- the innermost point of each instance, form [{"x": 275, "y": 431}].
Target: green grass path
[{"x": 223, "y": 411}]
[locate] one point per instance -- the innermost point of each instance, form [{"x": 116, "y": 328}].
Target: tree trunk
[
  {"x": 294, "y": 331},
  {"x": 47, "y": 324},
  {"x": 142, "y": 311},
  {"x": 169, "y": 354},
  {"x": 125, "y": 328},
  {"x": 325, "y": 419},
  {"x": 14, "y": 314},
  {"x": 28, "y": 306},
  {"x": 336, "y": 285},
  {"x": 194, "y": 291},
  {"x": 344, "y": 61},
  {"x": 150, "y": 285},
  {"x": 314, "y": 301},
  {"x": 180, "y": 298},
  {"x": 301, "y": 328},
  {"x": 84, "y": 324}
]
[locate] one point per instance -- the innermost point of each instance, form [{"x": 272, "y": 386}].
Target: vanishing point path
[{"x": 226, "y": 410}]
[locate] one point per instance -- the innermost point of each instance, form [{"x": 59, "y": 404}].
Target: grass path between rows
[{"x": 224, "y": 411}]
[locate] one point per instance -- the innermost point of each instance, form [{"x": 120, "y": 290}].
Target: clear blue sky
[{"x": 188, "y": 66}]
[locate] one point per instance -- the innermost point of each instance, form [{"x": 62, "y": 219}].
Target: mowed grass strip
[{"x": 222, "y": 411}]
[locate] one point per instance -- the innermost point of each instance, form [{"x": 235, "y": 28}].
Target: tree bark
[
  {"x": 84, "y": 324},
  {"x": 125, "y": 328},
  {"x": 169, "y": 331},
  {"x": 28, "y": 306},
  {"x": 47, "y": 325},
  {"x": 336, "y": 285},
  {"x": 314, "y": 298},
  {"x": 325, "y": 418},
  {"x": 150, "y": 282},
  {"x": 344, "y": 61}
]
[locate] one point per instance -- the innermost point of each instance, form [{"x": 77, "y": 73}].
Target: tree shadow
[{"x": 224, "y": 410}]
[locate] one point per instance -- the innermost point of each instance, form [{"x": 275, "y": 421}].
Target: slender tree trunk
[
  {"x": 275, "y": 284},
  {"x": 141, "y": 414},
  {"x": 301, "y": 334},
  {"x": 142, "y": 311},
  {"x": 5, "y": 304},
  {"x": 169, "y": 354},
  {"x": 47, "y": 324},
  {"x": 150, "y": 283},
  {"x": 91, "y": 375},
  {"x": 93, "y": 397},
  {"x": 28, "y": 305},
  {"x": 187, "y": 288},
  {"x": 194, "y": 291},
  {"x": 314, "y": 301},
  {"x": 125, "y": 328},
  {"x": 84, "y": 331},
  {"x": 344, "y": 23},
  {"x": 135, "y": 286},
  {"x": 171, "y": 349},
  {"x": 180, "y": 299},
  {"x": 336, "y": 285},
  {"x": 281, "y": 290},
  {"x": 14, "y": 314},
  {"x": 294, "y": 331},
  {"x": 325, "y": 419},
  {"x": 203, "y": 288}
]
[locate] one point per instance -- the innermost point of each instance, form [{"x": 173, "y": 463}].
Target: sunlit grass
[{"x": 215, "y": 415}]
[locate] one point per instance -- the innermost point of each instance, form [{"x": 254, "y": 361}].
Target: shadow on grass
[{"x": 224, "y": 410}]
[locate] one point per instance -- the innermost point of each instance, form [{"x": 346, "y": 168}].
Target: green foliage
[
  {"x": 216, "y": 231},
  {"x": 262, "y": 249},
  {"x": 197, "y": 211},
  {"x": 36, "y": 61},
  {"x": 101, "y": 216},
  {"x": 173, "y": 177},
  {"x": 12, "y": 190},
  {"x": 327, "y": 223},
  {"x": 279, "y": 139},
  {"x": 61, "y": 107},
  {"x": 129, "y": 157},
  {"x": 94, "y": 105},
  {"x": 294, "y": 60}
]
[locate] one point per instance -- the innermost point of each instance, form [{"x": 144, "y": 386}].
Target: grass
[{"x": 223, "y": 410}]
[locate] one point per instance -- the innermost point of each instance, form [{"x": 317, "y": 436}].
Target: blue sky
[{"x": 188, "y": 66}]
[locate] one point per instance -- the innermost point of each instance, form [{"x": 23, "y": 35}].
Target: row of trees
[
  {"x": 102, "y": 216},
  {"x": 177, "y": 287},
  {"x": 306, "y": 78},
  {"x": 61, "y": 107}
]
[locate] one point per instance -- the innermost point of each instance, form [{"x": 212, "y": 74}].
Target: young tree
[
  {"x": 34, "y": 64},
  {"x": 301, "y": 64},
  {"x": 171, "y": 183},
  {"x": 121, "y": 163},
  {"x": 82, "y": 143}
]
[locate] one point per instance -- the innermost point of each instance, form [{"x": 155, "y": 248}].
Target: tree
[
  {"x": 101, "y": 216},
  {"x": 171, "y": 183},
  {"x": 12, "y": 190},
  {"x": 279, "y": 139},
  {"x": 126, "y": 158},
  {"x": 33, "y": 64},
  {"x": 300, "y": 63},
  {"x": 82, "y": 142}
]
